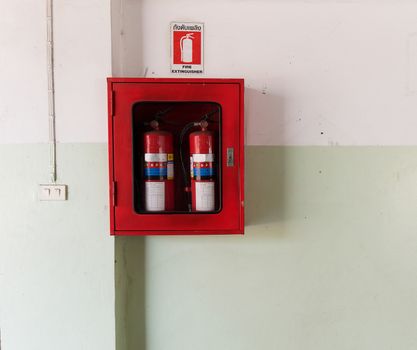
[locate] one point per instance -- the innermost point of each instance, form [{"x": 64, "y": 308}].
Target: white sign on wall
[{"x": 187, "y": 47}]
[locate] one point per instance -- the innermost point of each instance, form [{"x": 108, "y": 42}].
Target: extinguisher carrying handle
[
  {"x": 206, "y": 117},
  {"x": 161, "y": 113},
  {"x": 158, "y": 116}
]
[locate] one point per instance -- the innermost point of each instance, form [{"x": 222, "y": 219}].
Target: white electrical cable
[{"x": 51, "y": 90}]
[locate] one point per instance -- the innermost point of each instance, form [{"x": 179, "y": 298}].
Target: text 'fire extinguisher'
[{"x": 199, "y": 183}]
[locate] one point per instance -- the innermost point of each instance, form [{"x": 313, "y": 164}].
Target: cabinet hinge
[{"x": 112, "y": 102}]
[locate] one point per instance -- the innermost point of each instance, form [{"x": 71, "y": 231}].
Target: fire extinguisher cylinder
[
  {"x": 158, "y": 170},
  {"x": 202, "y": 170}
]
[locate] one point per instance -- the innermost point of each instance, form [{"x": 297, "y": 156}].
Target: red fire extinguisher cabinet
[{"x": 179, "y": 107}]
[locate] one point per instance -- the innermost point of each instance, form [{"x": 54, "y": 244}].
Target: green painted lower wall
[
  {"x": 56, "y": 258},
  {"x": 328, "y": 261}
]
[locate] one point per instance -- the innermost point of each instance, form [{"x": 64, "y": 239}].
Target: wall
[
  {"x": 56, "y": 259},
  {"x": 329, "y": 251},
  {"x": 317, "y": 72},
  {"x": 328, "y": 256}
]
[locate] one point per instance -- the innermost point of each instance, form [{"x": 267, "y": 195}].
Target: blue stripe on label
[
  {"x": 155, "y": 171},
  {"x": 203, "y": 172}
]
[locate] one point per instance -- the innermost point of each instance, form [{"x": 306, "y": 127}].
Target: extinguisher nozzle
[
  {"x": 154, "y": 124},
  {"x": 204, "y": 125}
]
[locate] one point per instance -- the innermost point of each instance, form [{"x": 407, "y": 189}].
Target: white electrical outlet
[{"x": 52, "y": 192}]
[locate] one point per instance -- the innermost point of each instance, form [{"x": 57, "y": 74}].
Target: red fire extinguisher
[
  {"x": 202, "y": 170},
  {"x": 158, "y": 169}
]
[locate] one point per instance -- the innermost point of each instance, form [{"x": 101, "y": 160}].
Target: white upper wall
[
  {"x": 82, "y": 63},
  {"x": 317, "y": 72},
  {"x": 23, "y": 92}
]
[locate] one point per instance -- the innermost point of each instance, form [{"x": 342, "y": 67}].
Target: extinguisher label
[
  {"x": 170, "y": 171},
  {"x": 204, "y": 196},
  {"x": 170, "y": 167},
  {"x": 187, "y": 47},
  {"x": 202, "y": 171},
  {"x": 156, "y": 166},
  {"x": 155, "y": 195},
  {"x": 209, "y": 157},
  {"x": 202, "y": 166},
  {"x": 156, "y": 157},
  {"x": 156, "y": 173}
]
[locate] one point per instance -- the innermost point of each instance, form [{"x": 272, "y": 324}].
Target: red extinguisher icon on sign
[
  {"x": 158, "y": 170},
  {"x": 186, "y": 47},
  {"x": 202, "y": 170}
]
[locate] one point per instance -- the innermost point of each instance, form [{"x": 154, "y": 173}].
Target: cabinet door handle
[{"x": 230, "y": 156}]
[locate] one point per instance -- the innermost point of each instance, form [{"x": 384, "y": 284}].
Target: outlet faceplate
[{"x": 52, "y": 192}]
